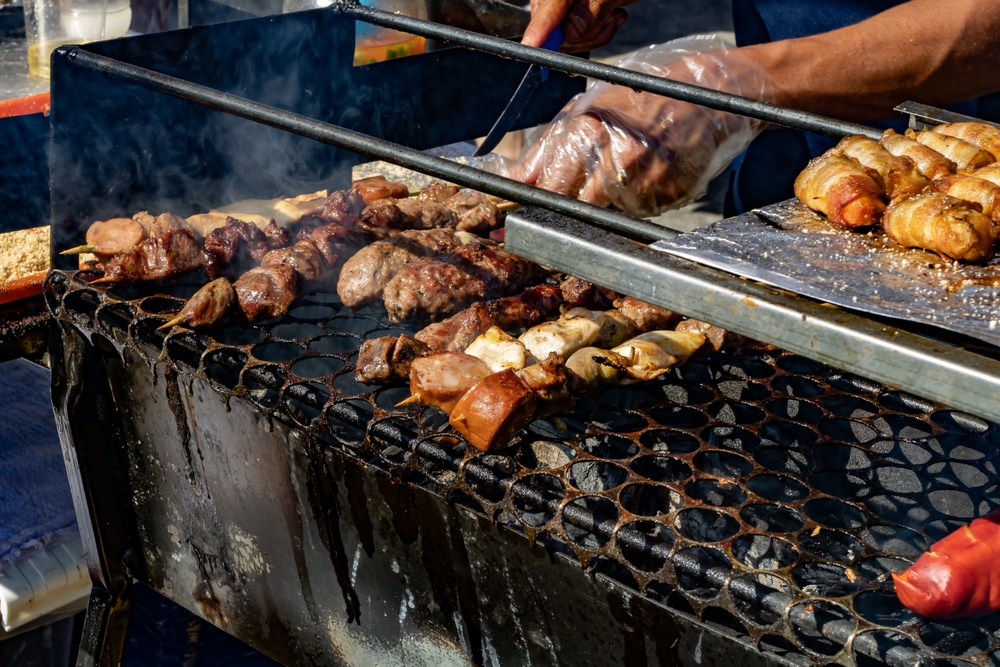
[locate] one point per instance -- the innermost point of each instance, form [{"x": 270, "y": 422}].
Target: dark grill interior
[{"x": 767, "y": 494}]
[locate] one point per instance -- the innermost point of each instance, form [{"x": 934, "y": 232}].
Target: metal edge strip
[{"x": 934, "y": 370}]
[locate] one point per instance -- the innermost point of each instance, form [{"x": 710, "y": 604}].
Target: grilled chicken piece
[
  {"x": 579, "y": 293},
  {"x": 377, "y": 187},
  {"x": 500, "y": 350},
  {"x": 645, "y": 316},
  {"x": 973, "y": 189},
  {"x": 435, "y": 287},
  {"x": 644, "y": 357},
  {"x": 716, "y": 338},
  {"x": 209, "y": 305},
  {"x": 230, "y": 249},
  {"x": 898, "y": 175},
  {"x": 549, "y": 380},
  {"x": 366, "y": 274},
  {"x": 442, "y": 379},
  {"x": 577, "y": 328},
  {"x": 343, "y": 207},
  {"x": 967, "y": 156},
  {"x": 165, "y": 256},
  {"x": 158, "y": 225},
  {"x": 840, "y": 189},
  {"x": 942, "y": 224},
  {"x": 985, "y": 136},
  {"x": 381, "y": 359},
  {"x": 494, "y": 410},
  {"x": 476, "y": 213},
  {"x": 930, "y": 163},
  {"x": 590, "y": 367},
  {"x": 304, "y": 257},
  {"x": 437, "y": 191},
  {"x": 266, "y": 291},
  {"x": 114, "y": 237}
]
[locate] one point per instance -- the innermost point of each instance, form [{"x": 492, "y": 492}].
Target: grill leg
[{"x": 103, "y": 637}]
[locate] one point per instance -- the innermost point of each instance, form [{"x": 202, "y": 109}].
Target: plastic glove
[{"x": 643, "y": 153}]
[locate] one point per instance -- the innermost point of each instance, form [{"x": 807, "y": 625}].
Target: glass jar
[{"x": 52, "y": 23}]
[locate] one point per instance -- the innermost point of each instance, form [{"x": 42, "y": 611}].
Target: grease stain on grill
[
  {"x": 731, "y": 437},
  {"x": 596, "y": 476},
  {"x": 880, "y": 647},
  {"x": 760, "y": 598},
  {"x": 536, "y": 498},
  {"x": 835, "y": 514},
  {"x": 877, "y": 570},
  {"x": 598, "y": 517},
  {"x": 821, "y": 627},
  {"x": 715, "y": 493},
  {"x": 644, "y": 499},
  {"x": 669, "y": 442},
  {"x": 884, "y": 608},
  {"x": 317, "y": 367},
  {"x": 296, "y": 330},
  {"x": 608, "y": 446},
  {"x": 157, "y": 305},
  {"x": 764, "y": 552},
  {"x": 239, "y": 336},
  {"x": 277, "y": 351},
  {"x": 784, "y": 460},
  {"x": 334, "y": 344},
  {"x": 114, "y": 320},
  {"x": 699, "y": 524},
  {"x": 645, "y": 544},
  {"x": 679, "y": 416},
  {"x": 831, "y": 545},
  {"x": 722, "y": 464},
  {"x": 83, "y": 303},
  {"x": 771, "y": 518},
  {"x": 145, "y": 334},
  {"x": 661, "y": 468},
  {"x": 702, "y": 571},
  {"x": 779, "y": 488},
  {"x": 224, "y": 365},
  {"x": 544, "y": 455},
  {"x": 788, "y": 434}
]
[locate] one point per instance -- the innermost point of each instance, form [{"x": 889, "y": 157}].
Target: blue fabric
[
  {"x": 34, "y": 493},
  {"x": 764, "y": 174}
]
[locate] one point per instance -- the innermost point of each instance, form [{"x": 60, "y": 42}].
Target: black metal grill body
[{"x": 759, "y": 496}]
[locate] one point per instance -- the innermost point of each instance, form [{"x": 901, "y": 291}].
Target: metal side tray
[{"x": 949, "y": 373}]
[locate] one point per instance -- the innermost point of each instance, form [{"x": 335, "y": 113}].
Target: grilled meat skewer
[
  {"x": 171, "y": 254},
  {"x": 207, "y": 307}
]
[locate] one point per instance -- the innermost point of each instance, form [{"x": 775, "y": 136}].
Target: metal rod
[
  {"x": 686, "y": 92},
  {"x": 370, "y": 146}
]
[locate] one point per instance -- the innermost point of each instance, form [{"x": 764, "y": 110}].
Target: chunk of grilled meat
[
  {"x": 966, "y": 156},
  {"x": 385, "y": 216},
  {"x": 939, "y": 223},
  {"x": 303, "y": 257},
  {"x": 930, "y": 163},
  {"x": 116, "y": 236},
  {"x": 433, "y": 288},
  {"x": 366, "y": 274},
  {"x": 171, "y": 254},
  {"x": 842, "y": 190},
  {"x": 377, "y": 187},
  {"x": 897, "y": 174},
  {"x": 388, "y": 357},
  {"x": 338, "y": 243},
  {"x": 494, "y": 410},
  {"x": 208, "y": 307},
  {"x": 645, "y": 316},
  {"x": 476, "y": 213},
  {"x": 277, "y": 237},
  {"x": 579, "y": 293},
  {"x": 442, "y": 379},
  {"x": 343, "y": 207},
  {"x": 158, "y": 225},
  {"x": 716, "y": 338},
  {"x": 973, "y": 189},
  {"x": 231, "y": 249},
  {"x": 266, "y": 291},
  {"x": 437, "y": 191}
]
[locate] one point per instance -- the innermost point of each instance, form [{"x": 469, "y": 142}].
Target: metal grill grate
[{"x": 762, "y": 492}]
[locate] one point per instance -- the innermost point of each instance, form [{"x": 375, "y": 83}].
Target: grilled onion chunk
[
  {"x": 942, "y": 224},
  {"x": 840, "y": 189}
]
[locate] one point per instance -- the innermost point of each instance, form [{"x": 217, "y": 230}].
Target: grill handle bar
[
  {"x": 364, "y": 144},
  {"x": 685, "y": 92}
]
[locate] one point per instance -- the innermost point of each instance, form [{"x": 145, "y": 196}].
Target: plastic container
[
  {"x": 52, "y": 23},
  {"x": 373, "y": 43}
]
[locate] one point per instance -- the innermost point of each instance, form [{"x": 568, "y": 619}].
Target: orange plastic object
[
  {"x": 959, "y": 577},
  {"x": 22, "y": 288},
  {"x": 22, "y": 106}
]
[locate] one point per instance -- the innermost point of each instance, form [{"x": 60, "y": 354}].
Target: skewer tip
[
  {"x": 105, "y": 279},
  {"x": 79, "y": 250},
  {"x": 171, "y": 323},
  {"x": 407, "y": 401}
]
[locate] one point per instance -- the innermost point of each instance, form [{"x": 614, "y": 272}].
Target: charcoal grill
[{"x": 748, "y": 507}]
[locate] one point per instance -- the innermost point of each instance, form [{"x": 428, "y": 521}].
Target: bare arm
[{"x": 936, "y": 53}]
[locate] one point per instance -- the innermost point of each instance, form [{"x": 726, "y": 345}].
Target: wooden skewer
[
  {"x": 105, "y": 279},
  {"x": 79, "y": 250},
  {"x": 509, "y": 206},
  {"x": 173, "y": 322},
  {"x": 407, "y": 401}
]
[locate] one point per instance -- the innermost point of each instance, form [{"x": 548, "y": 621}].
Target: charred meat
[
  {"x": 266, "y": 291},
  {"x": 173, "y": 253},
  {"x": 377, "y": 187}
]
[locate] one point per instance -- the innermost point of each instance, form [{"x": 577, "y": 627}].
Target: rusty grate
[{"x": 764, "y": 493}]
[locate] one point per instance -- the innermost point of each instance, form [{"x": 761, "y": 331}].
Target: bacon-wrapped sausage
[
  {"x": 840, "y": 189},
  {"x": 967, "y": 156},
  {"x": 985, "y": 136},
  {"x": 942, "y": 224},
  {"x": 971, "y": 188},
  {"x": 898, "y": 173},
  {"x": 958, "y": 576},
  {"x": 930, "y": 163}
]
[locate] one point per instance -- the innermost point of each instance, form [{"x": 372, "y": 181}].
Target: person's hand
[
  {"x": 643, "y": 153},
  {"x": 589, "y": 24}
]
